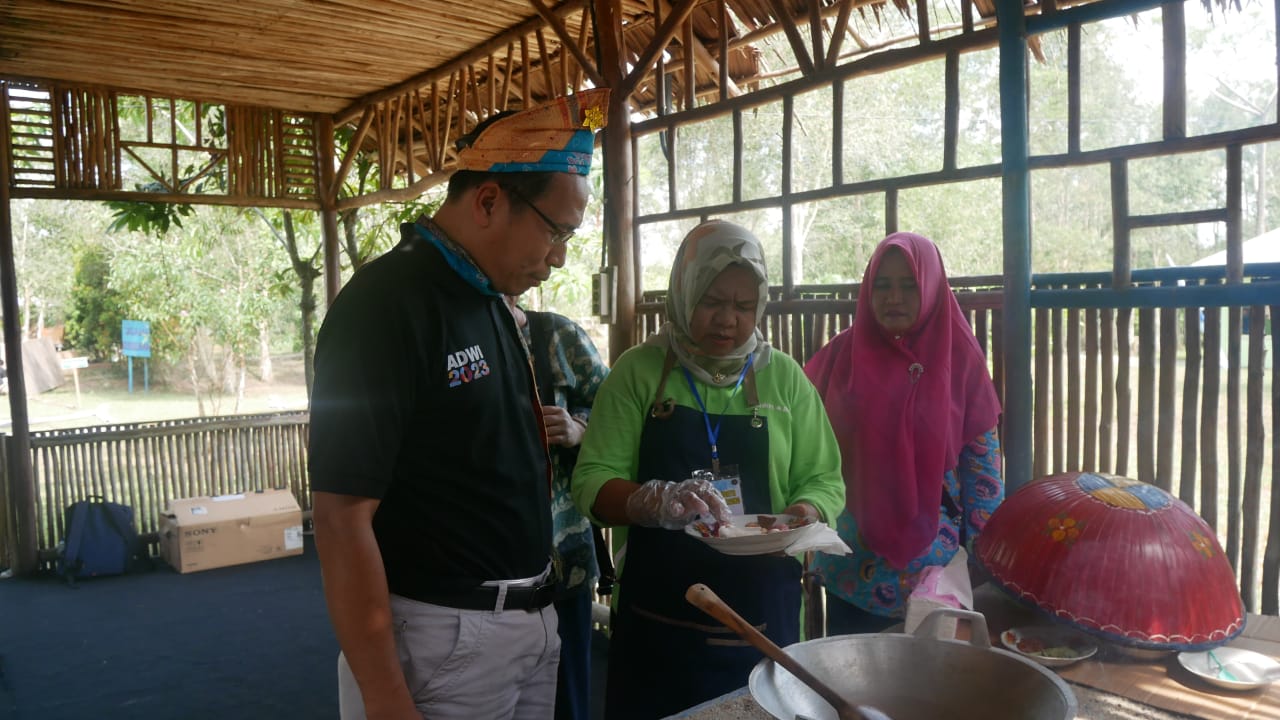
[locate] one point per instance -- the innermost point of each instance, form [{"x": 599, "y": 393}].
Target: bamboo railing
[
  {"x": 1181, "y": 394},
  {"x": 144, "y": 465}
]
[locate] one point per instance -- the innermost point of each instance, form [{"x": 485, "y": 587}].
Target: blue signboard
[{"x": 136, "y": 338}]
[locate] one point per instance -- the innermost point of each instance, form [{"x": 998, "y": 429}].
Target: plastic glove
[{"x": 671, "y": 505}]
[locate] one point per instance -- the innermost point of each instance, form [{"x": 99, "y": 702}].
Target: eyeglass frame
[{"x": 559, "y": 235}]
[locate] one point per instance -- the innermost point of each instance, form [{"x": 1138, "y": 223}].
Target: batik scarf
[
  {"x": 904, "y": 407},
  {"x": 706, "y": 251}
]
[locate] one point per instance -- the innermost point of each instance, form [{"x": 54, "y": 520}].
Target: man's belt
[
  {"x": 528, "y": 594},
  {"x": 493, "y": 599}
]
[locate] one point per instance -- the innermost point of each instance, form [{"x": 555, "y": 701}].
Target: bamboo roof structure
[{"x": 401, "y": 80}]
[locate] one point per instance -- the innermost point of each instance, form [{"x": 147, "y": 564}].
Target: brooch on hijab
[
  {"x": 717, "y": 378},
  {"x": 915, "y": 371}
]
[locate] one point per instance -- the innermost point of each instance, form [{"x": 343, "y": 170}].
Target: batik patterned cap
[{"x": 557, "y": 136}]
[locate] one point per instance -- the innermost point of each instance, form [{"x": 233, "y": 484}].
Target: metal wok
[{"x": 916, "y": 677}]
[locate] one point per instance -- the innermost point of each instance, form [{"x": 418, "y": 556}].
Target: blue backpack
[{"x": 101, "y": 540}]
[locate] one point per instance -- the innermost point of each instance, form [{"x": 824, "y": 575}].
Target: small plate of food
[
  {"x": 1049, "y": 645},
  {"x": 1232, "y": 668},
  {"x": 760, "y": 534}
]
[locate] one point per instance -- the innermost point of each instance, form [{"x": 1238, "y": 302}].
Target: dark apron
[{"x": 665, "y": 655}]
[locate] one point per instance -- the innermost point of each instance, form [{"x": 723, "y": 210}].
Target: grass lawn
[{"x": 104, "y": 398}]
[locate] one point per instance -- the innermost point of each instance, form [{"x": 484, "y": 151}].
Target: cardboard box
[{"x": 201, "y": 533}]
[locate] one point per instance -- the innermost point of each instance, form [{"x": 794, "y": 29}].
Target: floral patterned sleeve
[
  {"x": 981, "y": 478},
  {"x": 588, "y": 369}
]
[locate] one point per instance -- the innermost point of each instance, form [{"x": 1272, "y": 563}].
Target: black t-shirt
[{"x": 423, "y": 397}]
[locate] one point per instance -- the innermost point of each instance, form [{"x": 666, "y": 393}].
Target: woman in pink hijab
[{"x": 915, "y": 413}]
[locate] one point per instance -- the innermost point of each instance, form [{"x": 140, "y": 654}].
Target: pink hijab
[{"x": 903, "y": 408}]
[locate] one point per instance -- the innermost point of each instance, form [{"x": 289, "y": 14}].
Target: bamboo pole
[
  {"x": 1255, "y": 436},
  {"x": 1106, "y": 417},
  {"x": 328, "y": 207},
  {"x": 1016, "y": 222},
  {"x": 494, "y": 44},
  {"x": 20, "y": 473},
  {"x": 1073, "y": 395},
  {"x": 1209, "y": 419},
  {"x": 1235, "y": 475},
  {"x": 1190, "y": 398},
  {"x": 690, "y": 70},
  {"x": 1124, "y": 328},
  {"x": 1173, "y": 27},
  {"x": 621, "y": 238},
  {"x": 1271, "y": 553},
  {"x": 568, "y": 41},
  {"x": 1167, "y": 393},
  {"x": 788, "y": 140},
  {"x": 783, "y": 17},
  {"x": 1057, "y": 434},
  {"x": 1041, "y": 462},
  {"x": 662, "y": 35},
  {"x": 1091, "y": 420}
]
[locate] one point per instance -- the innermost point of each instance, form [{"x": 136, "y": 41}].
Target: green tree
[
  {"x": 204, "y": 289},
  {"x": 47, "y": 238},
  {"x": 93, "y": 320}
]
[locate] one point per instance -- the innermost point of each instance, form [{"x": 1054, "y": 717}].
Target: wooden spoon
[{"x": 703, "y": 598}]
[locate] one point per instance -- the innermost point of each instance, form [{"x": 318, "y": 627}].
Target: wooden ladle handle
[{"x": 703, "y": 598}]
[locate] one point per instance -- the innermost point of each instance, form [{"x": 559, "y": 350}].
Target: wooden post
[
  {"x": 328, "y": 192},
  {"x": 22, "y": 489},
  {"x": 1173, "y": 24},
  {"x": 619, "y": 181},
  {"x": 1016, "y": 192}
]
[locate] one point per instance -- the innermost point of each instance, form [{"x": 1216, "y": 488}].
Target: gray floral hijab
[{"x": 706, "y": 251}]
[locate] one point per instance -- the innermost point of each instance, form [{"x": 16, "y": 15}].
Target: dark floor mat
[{"x": 245, "y": 642}]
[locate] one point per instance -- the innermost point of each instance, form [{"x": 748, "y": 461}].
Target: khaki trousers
[{"x": 467, "y": 664}]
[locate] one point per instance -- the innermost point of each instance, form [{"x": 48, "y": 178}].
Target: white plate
[
  {"x": 756, "y": 543},
  {"x": 1249, "y": 669},
  {"x": 1031, "y": 640}
]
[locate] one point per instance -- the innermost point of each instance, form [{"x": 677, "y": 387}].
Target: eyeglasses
[{"x": 559, "y": 235}]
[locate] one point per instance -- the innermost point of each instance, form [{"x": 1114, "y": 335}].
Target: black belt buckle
[{"x": 531, "y": 599}]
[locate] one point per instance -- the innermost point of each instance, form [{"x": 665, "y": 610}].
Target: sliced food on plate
[
  {"x": 759, "y": 534},
  {"x": 1049, "y": 645}
]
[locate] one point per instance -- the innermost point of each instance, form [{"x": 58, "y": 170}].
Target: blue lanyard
[{"x": 714, "y": 434}]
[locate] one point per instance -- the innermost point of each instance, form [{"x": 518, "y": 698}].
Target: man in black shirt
[{"x": 428, "y": 455}]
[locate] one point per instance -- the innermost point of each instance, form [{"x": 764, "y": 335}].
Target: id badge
[{"x": 729, "y": 483}]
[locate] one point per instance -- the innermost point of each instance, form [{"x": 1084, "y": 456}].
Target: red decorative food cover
[{"x": 1118, "y": 558}]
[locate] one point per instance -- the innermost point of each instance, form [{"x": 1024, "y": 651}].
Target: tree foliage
[
  {"x": 205, "y": 289},
  {"x": 93, "y": 320},
  {"x": 48, "y": 236}
]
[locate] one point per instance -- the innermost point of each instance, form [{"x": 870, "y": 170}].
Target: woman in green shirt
[{"x": 706, "y": 393}]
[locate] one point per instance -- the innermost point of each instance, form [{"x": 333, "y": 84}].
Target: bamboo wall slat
[
  {"x": 1179, "y": 359},
  {"x": 68, "y": 138}
]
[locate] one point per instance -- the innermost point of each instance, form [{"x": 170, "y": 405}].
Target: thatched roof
[
  {"x": 405, "y": 77},
  {"x": 293, "y": 55}
]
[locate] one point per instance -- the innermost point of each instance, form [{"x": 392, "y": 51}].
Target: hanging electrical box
[{"x": 604, "y": 293}]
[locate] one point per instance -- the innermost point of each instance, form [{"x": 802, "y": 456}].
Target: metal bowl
[{"x": 916, "y": 677}]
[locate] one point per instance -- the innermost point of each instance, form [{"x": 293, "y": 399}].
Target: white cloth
[{"x": 818, "y": 537}]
